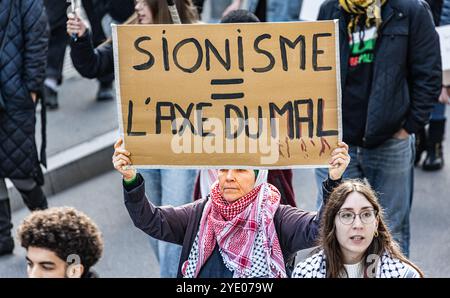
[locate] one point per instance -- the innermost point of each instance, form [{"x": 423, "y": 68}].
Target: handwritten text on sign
[{"x": 263, "y": 95}]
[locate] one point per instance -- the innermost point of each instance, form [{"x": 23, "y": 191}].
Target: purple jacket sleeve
[
  {"x": 165, "y": 223},
  {"x": 299, "y": 229}
]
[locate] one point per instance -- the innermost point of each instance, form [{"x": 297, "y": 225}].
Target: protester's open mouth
[{"x": 357, "y": 238}]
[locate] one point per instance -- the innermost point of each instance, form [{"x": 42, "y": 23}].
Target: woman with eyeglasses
[{"x": 354, "y": 240}]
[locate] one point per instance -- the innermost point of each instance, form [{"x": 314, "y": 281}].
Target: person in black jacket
[
  {"x": 430, "y": 140},
  {"x": 120, "y": 11},
  {"x": 391, "y": 77},
  {"x": 95, "y": 10},
  {"x": 22, "y": 67},
  {"x": 57, "y": 18},
  {"x": 92, "y": 62}
]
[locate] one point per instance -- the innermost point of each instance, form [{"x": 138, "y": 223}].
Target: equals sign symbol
[{"x": 221, "y": 96}]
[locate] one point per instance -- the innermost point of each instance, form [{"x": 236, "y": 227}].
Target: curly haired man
[{"x": 60, "y": 242}]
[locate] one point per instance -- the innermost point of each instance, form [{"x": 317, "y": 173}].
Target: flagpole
[{"x": 173, "y": 12}]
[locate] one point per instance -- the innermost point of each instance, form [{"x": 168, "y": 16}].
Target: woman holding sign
[
  {"x": 162, "y": 185},
  {"x": 239, "y": 230},
  {"x": 355, "y": 240}
]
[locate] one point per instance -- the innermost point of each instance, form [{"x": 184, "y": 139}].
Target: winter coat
[
  {"x": 407, "y": 72},
  {"x": 22, "y": 69}
]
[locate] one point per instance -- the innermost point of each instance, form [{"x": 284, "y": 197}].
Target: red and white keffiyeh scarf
[{"x": 244, "y": 231}]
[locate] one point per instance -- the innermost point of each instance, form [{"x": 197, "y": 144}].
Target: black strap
[{"x": 43, "y": 155}]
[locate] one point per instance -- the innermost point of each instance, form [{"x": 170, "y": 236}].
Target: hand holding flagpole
[{"x": 73, "y": 9}]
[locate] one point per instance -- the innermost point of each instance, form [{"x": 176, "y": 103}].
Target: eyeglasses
[{"x": 348, "y": 217}]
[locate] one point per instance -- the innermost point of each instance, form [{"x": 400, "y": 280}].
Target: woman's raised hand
[
  {"x": 122, "y": 162},
  {"x": 339, "y": 161}
]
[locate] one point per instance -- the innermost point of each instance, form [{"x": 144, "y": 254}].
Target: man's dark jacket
[{"x": 407, "y": 68}]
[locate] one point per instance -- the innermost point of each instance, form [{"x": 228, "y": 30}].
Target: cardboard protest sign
[
  {"x": 263, "y": 95},
  {"x": 310, "y": 9},
  {"x": 444, "y": 38}
]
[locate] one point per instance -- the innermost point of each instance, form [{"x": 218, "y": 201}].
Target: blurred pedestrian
[
  {"x": 57, "y": 13},
  {"x": 57, "y": 17},
  {"x": 96, "y": 10},
  {"x": 432, "y": 139},
  {"x": 23, "y": 55}
]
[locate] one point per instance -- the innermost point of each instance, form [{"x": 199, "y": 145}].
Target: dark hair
[
  {"x": 328, "y": 240},
  {"x": 161, "y": 15},
  {"x": 64, "y": 231},
  {"x": 240, "y": 16}
]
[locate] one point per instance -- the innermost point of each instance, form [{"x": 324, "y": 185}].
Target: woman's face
[
  {"x": 143, "y": 12},
  {"x": 355, "y": 233},
  {"x": 236, "y": 183}
]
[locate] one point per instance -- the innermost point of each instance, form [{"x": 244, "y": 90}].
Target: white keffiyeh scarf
[{"x": 388, "y": 267}]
